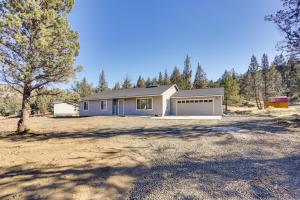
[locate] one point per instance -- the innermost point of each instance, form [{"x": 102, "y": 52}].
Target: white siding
[
  {"x": 166, "y": 100},
  {"x": 64, "y": 109}
]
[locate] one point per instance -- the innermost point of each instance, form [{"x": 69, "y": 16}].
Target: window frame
[
  {"x": 105, "y": 105},
  {"x": 144, "y": 98},
  {"x": 88, "y": 106}
]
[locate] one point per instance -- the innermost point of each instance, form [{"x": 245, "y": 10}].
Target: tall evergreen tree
[
  {"x": 166, "y": 78},
  {"x": 127, "y": 83},
  {"x": 200, "y": 80},
  {"x": 140, "y": 82},
  {"x": 255, "y": 80},
  {"x": 148, "y": 82},
  {"x": 160, "y": 79},
  {"x": 245, "y": 86},
  {"x": 37, "y": 48},
  {"x": 176, "y": 77},
  {"x": 102, "y": 86},
  {"x": 231, "y": 90},
  {"x": 117, "y": 86},
  {"x": 83, "y": 88},
  {"x": 186, "y": 77},
  {"x": 154, "y": 81},
  {"x": 265, "y": 74}
]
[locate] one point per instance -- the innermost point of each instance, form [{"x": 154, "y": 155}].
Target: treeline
[{"x": 260, "y": 82}]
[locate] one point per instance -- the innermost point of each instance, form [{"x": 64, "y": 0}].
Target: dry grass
[{"x": 113, "y": 158}]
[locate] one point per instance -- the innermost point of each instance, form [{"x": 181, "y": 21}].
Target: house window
[
  {"x": 144, "y": 104},
  {"x": 103, "y": 105},
  {"x": 196, "y": 101},
  {"x": 179, "y": 101},
  {"x": 210, "y": 100},
  {"x": 85, "y": 105},
  {"x": 205, "y": 100},
  {"x": 187, "y": 101},
  {"x": 192, "y": 101}
]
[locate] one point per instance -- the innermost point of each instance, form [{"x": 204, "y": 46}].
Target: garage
[
  {"x": 195, "y": 107},
  {"x": 198, "y": 102}
]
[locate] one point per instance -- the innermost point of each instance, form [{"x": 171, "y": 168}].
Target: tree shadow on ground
[
  {"x": 181, "y": 131},
  {"x": 185, "y": 179},
  {"x": 222, "y": 179}
]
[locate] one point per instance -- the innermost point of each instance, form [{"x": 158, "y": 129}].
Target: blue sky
[{"x": 133, "y": 37}]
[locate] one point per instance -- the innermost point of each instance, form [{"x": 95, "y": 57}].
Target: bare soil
[{"x": 141, "y": 158}]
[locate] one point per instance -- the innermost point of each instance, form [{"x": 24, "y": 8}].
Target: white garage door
[{"x": 195, "y": 107}]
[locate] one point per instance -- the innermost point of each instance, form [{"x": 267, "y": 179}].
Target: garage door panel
[{"x": 192, "y": 107}]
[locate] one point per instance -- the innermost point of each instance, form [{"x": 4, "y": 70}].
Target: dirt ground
[{"x": 141, "y": 158}]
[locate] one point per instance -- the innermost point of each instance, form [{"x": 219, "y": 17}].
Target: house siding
[
  {"x": 130, "y": 107},
  {"x": 166, "y": 100},
  {"x": 94, "y": 108}
]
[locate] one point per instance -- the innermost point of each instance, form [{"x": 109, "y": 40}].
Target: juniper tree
[
  {"x": 102, "y": 86},
  {"x": 176, "y": 77},
  {"x": 140, "y": 82},
  {"x": 245, "y": 86},
  {"x": 37, "y": 47},
  {"x": 186, "y": 77},
  {"x": 287, "y": 20},
  {"x": 200, "y": 80}
]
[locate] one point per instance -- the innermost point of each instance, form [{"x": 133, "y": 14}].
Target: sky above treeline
[{"x": 141, "y": 37}]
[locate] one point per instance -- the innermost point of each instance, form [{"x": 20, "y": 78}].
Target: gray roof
[
  {"x": 199, "y": 92},
  {"x": 132, "y": 92}
]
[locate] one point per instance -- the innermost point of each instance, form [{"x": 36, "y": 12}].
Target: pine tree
[
  {"x": 148, "y": 82},
  {"x": 276, "y": 86},
  {"x": 127, "y": 83},
  {"x": 160, "y": 80},
  {"x": 200, "y": 80},
  {"x": 231, "y": 91},
  {"x": 154, "y": 81},
  {"x": 117, "y": 86},
  {"x": 176, "y": 77},
  {"x": 102, "y": 86},
  {"x": 255, "y": 80},
  {"x": 83, "y": 88},
  {"x": 265, "y": 75},
  {"x": 186, "y": 80},
  {"x": 245, "y": 85},
  {"x": 166, "y": 78},
  {"x": 140, "y": 82}
]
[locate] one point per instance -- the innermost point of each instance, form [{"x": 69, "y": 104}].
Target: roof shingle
[{"x": 127, "y": 93}]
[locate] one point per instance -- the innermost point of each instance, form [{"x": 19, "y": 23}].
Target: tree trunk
[{"x": 22, "y": 123}]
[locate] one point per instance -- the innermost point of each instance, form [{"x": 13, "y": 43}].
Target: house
[
  {"x": 62, "y": 109},
  {"x": 154, "y": 101}
]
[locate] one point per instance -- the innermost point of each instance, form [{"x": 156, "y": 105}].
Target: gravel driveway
[{"x": 140, "y": 158}]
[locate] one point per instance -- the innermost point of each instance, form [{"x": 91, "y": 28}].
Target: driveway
[{"x": 142, "y": 158}]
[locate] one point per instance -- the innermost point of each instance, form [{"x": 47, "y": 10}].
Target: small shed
[
  {"x": 278, "y": 102},
  {"x": 62, "y": 109}
]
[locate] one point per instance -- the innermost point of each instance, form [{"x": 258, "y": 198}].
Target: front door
[{"x": 115, "y": 107}]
